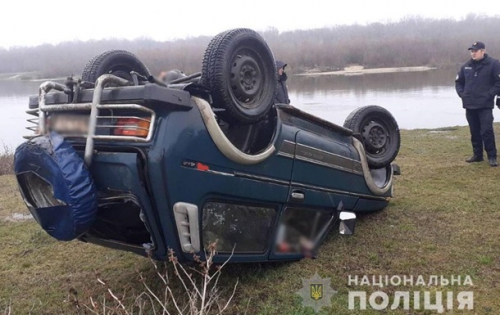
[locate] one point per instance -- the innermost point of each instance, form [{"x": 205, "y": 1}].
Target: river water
[{"x": 416, "y": 99}]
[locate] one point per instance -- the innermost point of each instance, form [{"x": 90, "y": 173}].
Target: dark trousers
[{"x": 481, "y": 131}]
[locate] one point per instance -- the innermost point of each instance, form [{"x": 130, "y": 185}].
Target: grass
[
  {"x": 443, "y": 220},
  {"x": 6, "y": 160}
]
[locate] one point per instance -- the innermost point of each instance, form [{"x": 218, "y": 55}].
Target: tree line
[{"x": 412, "y": 41}]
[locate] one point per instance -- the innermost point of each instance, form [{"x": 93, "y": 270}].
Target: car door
[
  {"x": 323, "y": 170},
  {"x": 321, "y": 183}
]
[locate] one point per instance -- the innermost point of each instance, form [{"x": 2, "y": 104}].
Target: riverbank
[
  {"x": 359, "y": 70},
  {"x": 26, "y": 76},
  {"x": 20, "y": 76},
  {"x": 352, "y": 70},
  {"x": 442, "y": 222}
]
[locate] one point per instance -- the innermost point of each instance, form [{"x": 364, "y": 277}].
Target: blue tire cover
[{"x": 56, "y": 161}]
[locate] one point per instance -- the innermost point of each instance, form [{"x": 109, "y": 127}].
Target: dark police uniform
[
  {"x": 477, "y": 83},
  {"x": 282, "y": 92}
]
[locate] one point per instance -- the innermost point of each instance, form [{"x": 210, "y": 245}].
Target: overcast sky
[{"x": 33, "y": 22}]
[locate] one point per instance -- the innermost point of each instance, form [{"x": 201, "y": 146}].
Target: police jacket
[
  {"x": 282, "y": 93},
  {"x": 478, "y": 82}
]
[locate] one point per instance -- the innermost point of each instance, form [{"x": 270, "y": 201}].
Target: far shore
[
  {"x": 359, "y": 70},
  {"x": 19, "y": 76},
  {"x": 26, "y": 76},
  {"x": 352, "y": 70}
]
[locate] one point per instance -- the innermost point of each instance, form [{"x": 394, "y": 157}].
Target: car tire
[
  {"x": 209, "y": 59},
  {"x": 56, "y": 186},
  {"x": 239, "y": 69},
  {"x": 379, "y": 132},
  {"x": 117, "y": 62}
]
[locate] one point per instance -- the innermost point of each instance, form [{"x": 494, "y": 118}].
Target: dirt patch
[
  {"x": 17, "y": 217},
  {"x": 11, "y": 202}
]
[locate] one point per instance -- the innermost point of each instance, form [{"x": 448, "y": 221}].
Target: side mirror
[{"x": 347, "y": 222}]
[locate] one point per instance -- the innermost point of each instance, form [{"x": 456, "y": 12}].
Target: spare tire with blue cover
[
  {"x": 56, "y": 186},
  {"x": 379, "y": 131},
  {"x": 239, "y": 70}
]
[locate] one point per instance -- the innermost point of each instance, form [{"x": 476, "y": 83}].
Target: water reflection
[
  {"x": 19, "y": 88},
  {"x": 12, "y": 120},
  {"x": 14, "y": 100},
  {"x": 416, "y": 99},
  {"x": 387, "y": 82}
]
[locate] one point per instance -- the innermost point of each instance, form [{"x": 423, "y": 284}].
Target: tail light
[{"x": 137, "y": 127}]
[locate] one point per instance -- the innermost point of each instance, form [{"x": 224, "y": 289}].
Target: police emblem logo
[{"x": 316, "y": 292}]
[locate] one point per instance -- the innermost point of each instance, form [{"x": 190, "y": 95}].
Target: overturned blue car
[{"x": 120, "y": 158}]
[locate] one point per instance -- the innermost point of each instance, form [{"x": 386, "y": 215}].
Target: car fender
[
  {"x": 222, "y": 142},
  {"x": 374, "y": 188}
]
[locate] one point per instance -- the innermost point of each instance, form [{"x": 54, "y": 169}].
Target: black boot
[
  {"x": 493, "y": 161},
  {"x": 475, "y": 158}
]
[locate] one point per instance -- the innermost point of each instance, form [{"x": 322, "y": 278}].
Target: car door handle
[{"x": 297, "y": 195}]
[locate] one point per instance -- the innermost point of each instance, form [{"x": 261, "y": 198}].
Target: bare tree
[{"x": 412, "y": 41}]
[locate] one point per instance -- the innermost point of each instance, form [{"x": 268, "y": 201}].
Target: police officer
[
  {"x": 282, "y": 93},
  {"x": 477, "y": 83}
]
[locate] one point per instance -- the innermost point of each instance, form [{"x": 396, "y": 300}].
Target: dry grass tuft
[
  {"x": 183, "y": 290},
  {"x": 6, "y": 161}
]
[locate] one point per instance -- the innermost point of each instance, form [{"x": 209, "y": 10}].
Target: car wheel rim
[
  {"x": 375, "y": 137},
  {"x": 245, "y": 80},
  {"x": 122, "y": 73}
]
